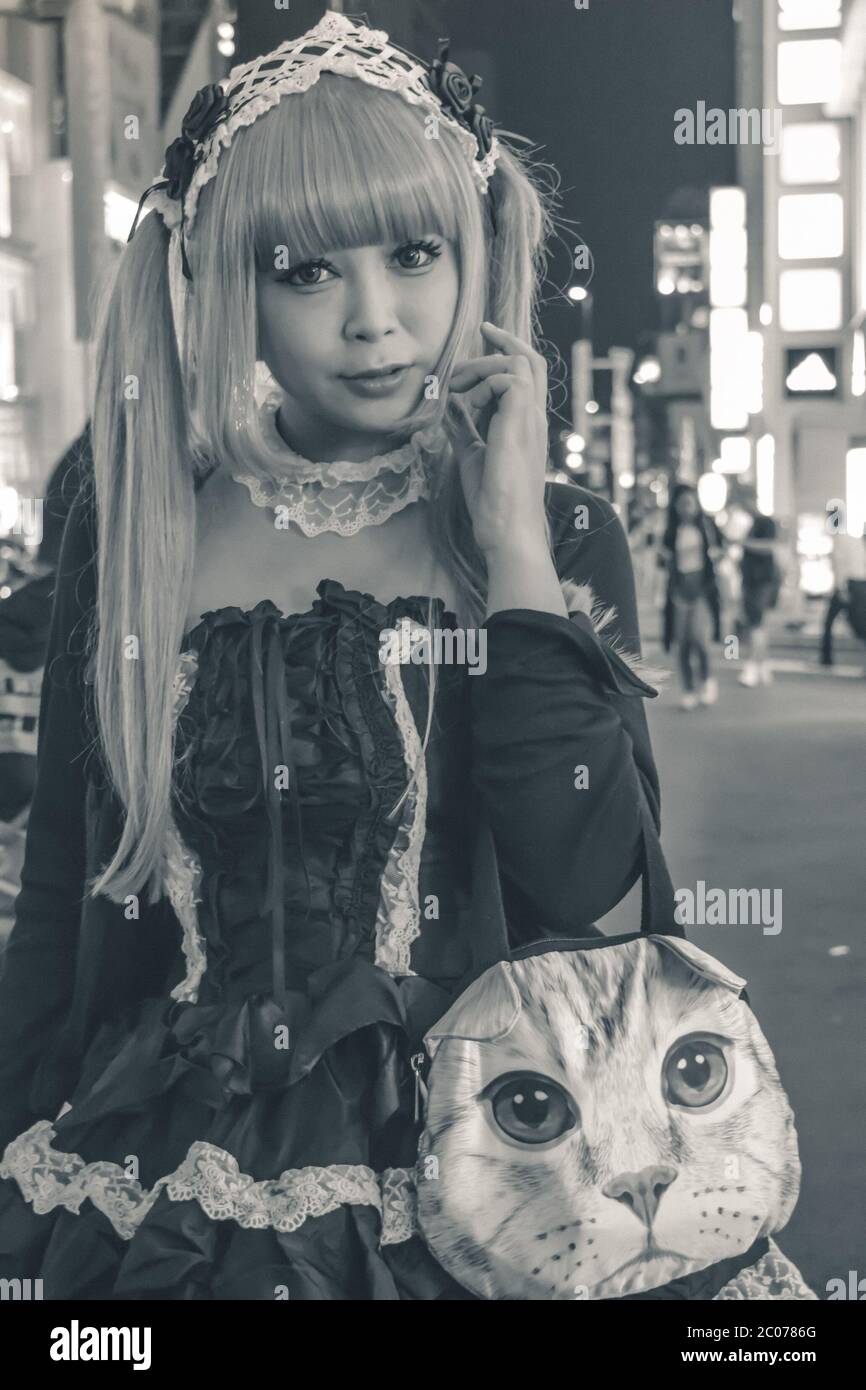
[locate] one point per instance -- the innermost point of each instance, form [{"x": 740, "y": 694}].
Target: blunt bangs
[{"x": 342, "y": 165}]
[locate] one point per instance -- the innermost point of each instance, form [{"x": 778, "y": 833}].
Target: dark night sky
[{"x": 597, "y": 90}]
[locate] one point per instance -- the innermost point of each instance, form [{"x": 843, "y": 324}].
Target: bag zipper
[{"x": 416, "y": 1062}]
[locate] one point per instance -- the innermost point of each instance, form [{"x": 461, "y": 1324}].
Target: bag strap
[{"x": 490, "y": 942}]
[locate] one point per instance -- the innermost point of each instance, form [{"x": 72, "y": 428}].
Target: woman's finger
[
  {"x": 517, "y": 346},
  {"x": 489, "y": 390},
  {"x": 475, "y": 368}
]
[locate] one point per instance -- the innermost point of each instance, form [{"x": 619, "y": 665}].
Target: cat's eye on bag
[{"x": 604, "y": 1117}]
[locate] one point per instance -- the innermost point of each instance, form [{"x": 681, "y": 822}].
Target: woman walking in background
[
  {"x": 690, "y": 547},
  {"x": 762, "y": 580}
]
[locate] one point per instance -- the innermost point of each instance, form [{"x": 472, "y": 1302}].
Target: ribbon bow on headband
[{"x": 208, "y": 108}]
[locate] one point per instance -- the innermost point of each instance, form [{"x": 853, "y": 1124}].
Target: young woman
[
  {"x": 690, "y": 547},
  {"x": 761, "y": 578},
  {"x": 247, "y": 880}
]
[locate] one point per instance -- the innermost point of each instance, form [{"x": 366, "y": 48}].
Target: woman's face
[
  {"x": 687, "y": 506},
  {"x": 324, "y": 321}
]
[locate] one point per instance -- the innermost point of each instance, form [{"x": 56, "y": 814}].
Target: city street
[{"x": 765, "y": 790}]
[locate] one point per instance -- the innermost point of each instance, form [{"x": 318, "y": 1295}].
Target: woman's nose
[{"x": 371, "y": 310}]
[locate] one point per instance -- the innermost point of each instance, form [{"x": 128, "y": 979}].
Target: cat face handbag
[{"x": 604, "y": 1118}]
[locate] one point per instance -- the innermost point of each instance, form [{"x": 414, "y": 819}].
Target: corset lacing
[{"x": 273, "y": 730}]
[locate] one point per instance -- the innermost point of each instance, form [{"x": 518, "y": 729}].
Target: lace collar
[{"x": 342, "y": 496}]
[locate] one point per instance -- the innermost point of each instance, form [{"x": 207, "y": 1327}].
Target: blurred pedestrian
[
  {"x": 849, "y": 567},
  {"x": 762, "y": 580},
  {"x": 691, "y": 546}
]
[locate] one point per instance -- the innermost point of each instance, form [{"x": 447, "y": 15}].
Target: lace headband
[{"x": 336, "y": 44}]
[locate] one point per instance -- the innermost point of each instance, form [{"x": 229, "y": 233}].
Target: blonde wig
[{"x": 341, "y": 165}]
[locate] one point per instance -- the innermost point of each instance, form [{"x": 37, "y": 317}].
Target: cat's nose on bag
[{"x": 641, "y": 1191}]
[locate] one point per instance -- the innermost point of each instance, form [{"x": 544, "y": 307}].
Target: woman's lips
[{"x": 384, "y": 385}]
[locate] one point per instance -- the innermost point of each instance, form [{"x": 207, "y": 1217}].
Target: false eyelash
[{"x": 431, "y": 247}]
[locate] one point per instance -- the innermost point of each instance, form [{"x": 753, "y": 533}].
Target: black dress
[{"x": 239, "y": 1112}]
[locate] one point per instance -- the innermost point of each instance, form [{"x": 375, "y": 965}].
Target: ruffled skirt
[{"x": 230, "y": 1151}]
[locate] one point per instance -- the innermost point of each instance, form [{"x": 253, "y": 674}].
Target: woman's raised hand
[{"x": 502, "y": 399}]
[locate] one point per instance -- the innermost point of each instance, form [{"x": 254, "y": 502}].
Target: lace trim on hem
[
  {"x": 210, "y": 1176},
  {"x": 398, "y": 920},
  {"x": 182, "y": 871}
]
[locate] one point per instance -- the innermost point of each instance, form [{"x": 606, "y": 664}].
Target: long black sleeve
[
  {"x": 39, "y": 962},
  {"x": 555, "y": 699}
]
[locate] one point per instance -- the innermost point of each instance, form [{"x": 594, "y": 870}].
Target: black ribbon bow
[{"x": 208, "y": 108}]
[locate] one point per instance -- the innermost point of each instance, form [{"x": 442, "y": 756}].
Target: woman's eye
[
  {"x": 531, "y": 1109},
  {"x": 695, "y": 1073},
  {"x": 302, "y": 272},
  {"x": 410, "y": 253}
]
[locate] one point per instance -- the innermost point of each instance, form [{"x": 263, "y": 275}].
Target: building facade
[
  {"x": 805, "y": 291},
  {"x": 91, "y": 92}
]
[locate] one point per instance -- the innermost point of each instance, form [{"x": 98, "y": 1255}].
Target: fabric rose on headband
[{"x": 456, "y": 92}]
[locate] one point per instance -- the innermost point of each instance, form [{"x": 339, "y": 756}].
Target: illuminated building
[{"x": 806, "y": 292}]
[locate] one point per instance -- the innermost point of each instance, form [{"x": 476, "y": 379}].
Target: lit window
[
  {"x": 809, "y": 71},
  {"x": 728, "y": 248},
  {"x": 728, "y": 288},
  {"x": 811, "y": 153},
  {"x": 810, "y": 299},
  {"x": 811, "y": 225},
  {"x": 755, "y": 401},
  {"x": 730, "y": 385},
  {"x": 810, "y": 14},
  {"x": 727, "y": 208}
]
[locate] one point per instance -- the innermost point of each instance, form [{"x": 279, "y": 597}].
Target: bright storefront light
[
  {"x": 729, "y": 369},
  {"x": 811, "y": 226},
  {"x": 809, "y": 71},
  {"x": 809, "y": 300},
  {"x": 736, "y": 454},
  {"x": 712, "y": 492},
  {"x": 727, "y": 209},
  {"x": 814, "y": 548},
  {"x": 811, "y": 153},
  {"x": 728, "y": 286},
  {"x": 810, "y": 14},
  {"x": 728, "y": 248}
]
